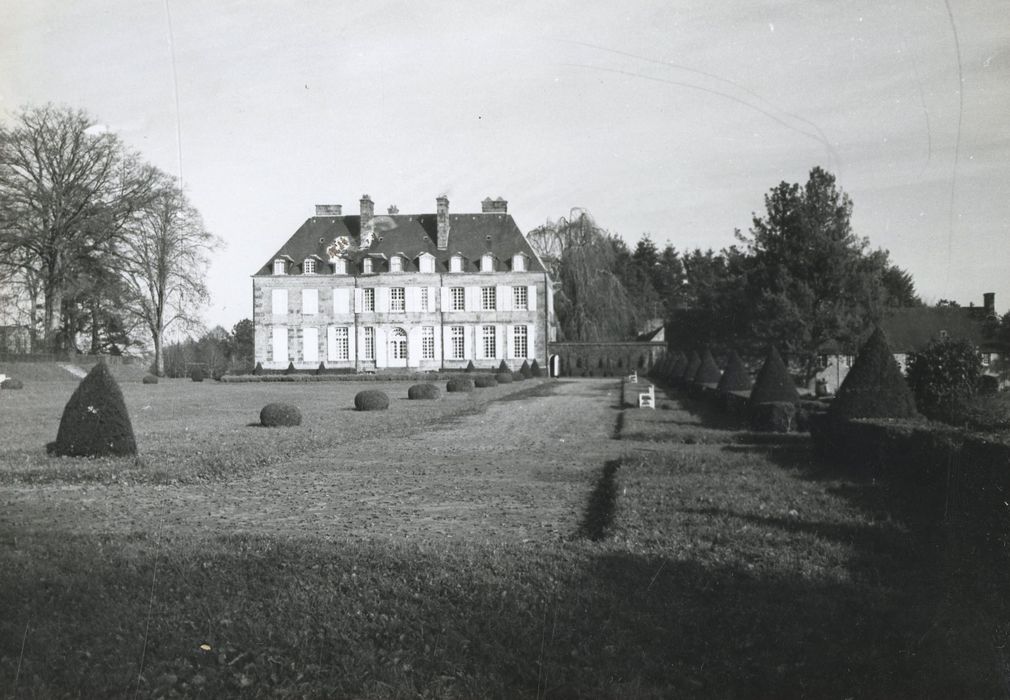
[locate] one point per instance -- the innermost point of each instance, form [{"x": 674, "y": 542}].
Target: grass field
[{"x": 500, "y": 544}]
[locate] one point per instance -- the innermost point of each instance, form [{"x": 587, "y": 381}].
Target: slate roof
[
  {"x": 470, "y": 235},
  {"x": 911, "y": 329}
]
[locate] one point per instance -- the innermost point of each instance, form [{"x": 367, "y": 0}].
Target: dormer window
[
  {"x": 366, "y": 265},
  {"x": 456, "y": 263},
  {"x": 340, "y": 266},
  {"x": 396, "y": 264},
  {"x": 426, "y": 263},
  {"x": 279, "y": 267},
  {"x": 487, "y": 263},
  {"x": 519, "y": 263},
  {"x": 309, "y": 266}
]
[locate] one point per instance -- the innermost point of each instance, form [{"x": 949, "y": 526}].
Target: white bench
[
  {"x": 648, "y": 398},
  {"x": 633, "y": 377}
]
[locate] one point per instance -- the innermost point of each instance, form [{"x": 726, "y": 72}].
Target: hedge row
[{"x": 364, "y": 377}]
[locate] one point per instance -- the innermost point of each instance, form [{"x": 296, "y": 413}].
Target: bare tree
[
  {"x": 164, "y": 263},
  {"x": 66, "y": 190}
]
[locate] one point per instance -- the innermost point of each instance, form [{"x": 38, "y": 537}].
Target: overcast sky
[{"x": 667, "y": 118}]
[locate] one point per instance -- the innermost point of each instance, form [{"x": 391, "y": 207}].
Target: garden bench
[{"x": 648, "y": 399}]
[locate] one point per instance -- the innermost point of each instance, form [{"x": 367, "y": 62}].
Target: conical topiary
[
  {"x": 874, "y": 387},
  {"x": 291, "y": 368},
  {"x": 469, "y": 367},
  {"x": 321, "y": 369},
  {"x": 258, "y": 369},
  {"x": 677, "y": 368},
  {"x": 504, "y": 367},
  {"x": 708, "y": 371},
  {"x": 535, "y": 370},
  {"x": 693, "y": 363},
  {"x": 735, "y": 377},
  {"x": 525, "y": 370},
  {"x": 773, "y": 382},
  {"x": 95, "y": 421}
]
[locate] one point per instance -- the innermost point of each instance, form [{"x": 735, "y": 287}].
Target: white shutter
[
  {"x": 310, "y": 301},
  {"x": 444, "y": 306},
  {"x": 359, "y": 300},
  {"x": 342, "y": 300},
  {"x": 352, "y": 345},
  {"x": 530, "y": 336},
  {"x": 511, "y": 336},
  {"x": 471, "y": 298},
  {"x": 468, "y": 332},
  {"x": 504, "y": 294},
  {"x": 380, "y": 348},
  {"x": 279, "y": 299},
  {"x": 414, "y": 346},
  {"x": 382, "y": 300},
  {"x": 532, "y": 292},
  {"x": 500, "y": 342},
  {"x": 310, "y": 344},
  {"x": 446, "y": 342},
  {"x": 412, "y": 302},
  {"x": 331, "y": 343},
  {"x": 280, "y": 342}
]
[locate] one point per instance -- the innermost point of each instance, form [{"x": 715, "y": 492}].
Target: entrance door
[{"x": 398, "y": 348}]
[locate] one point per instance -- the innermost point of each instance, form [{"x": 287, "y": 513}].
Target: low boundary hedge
[
  {"x": 354, "y": 377},
  {"x": 942, "y": 474}
]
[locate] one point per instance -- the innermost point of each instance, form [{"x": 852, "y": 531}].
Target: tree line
[
  {"x": 99, "y": 250},
  {"x": 800, "y": 278}
]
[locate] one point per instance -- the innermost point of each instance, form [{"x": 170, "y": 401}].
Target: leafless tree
[
  {"x": 164, "y": 262},
  {"x": 67, "y": 189}
]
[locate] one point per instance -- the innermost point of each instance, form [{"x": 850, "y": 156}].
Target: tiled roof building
[{"x": 419, "y": 291}]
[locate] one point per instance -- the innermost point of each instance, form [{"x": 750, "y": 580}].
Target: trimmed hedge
[
  {"x": 708, "y": 371},
  {"x": 197, "y": 375},
  {"x": 422, "y": 392},
  {"x": 504, "y": 377},
  {"x": 735, "y": 377},
  {"x": 459, "y": 384},
  {"x": 483, "y": 381},
  {"x": 874, "y": 387},
  {"x": 149, "y": 379},
  {"x": 371, "y": 400},
  {"x": 12, "y": 383},
  {"x": 773, "y": 416},
  {"x": 773, "y": 383},
  {"x": 535, "y": 370},
  {"x": 95, "y": 422},
  {"x": 280, "y": 415}
]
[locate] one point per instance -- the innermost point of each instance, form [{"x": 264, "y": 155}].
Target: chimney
[
  {"x": 989, "y": 303},
  {"x": 442, "y": 215},
  {"x": 329, "y": 210},
  {"x": 367, "y": 221},
  {"x": 393, "y": 209},
  {"x": 494, "y": 206}
]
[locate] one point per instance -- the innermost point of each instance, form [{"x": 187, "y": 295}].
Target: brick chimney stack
[
  {"x": 442, "y": 216},
  {"x": 393, "y": 209},
  {"x": 329, "y": 210},
  {"x": 367, "y": 221},
  {"x": 494, "y": 206},
  {"x": 989, "y": 303}
]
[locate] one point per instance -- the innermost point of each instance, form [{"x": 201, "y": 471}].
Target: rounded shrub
[
  {"x": 12, "y": 383},
  {"x": 504, "y": 377},
  {"x": 218, "y": 373},
  {"x": 420, "y": 392},
  {"x": 944, "y": 377},
  {"x": 525, "y": 370},
  {"x": 459, "y": 384},
  {"x": 708, "y": 371},
  {"x": 469, "y": 367},
  {"x": 95, "y": 422},
  {"x": 874, "y": 387},
  {"x": 150, "y": 379},
  {"x": 197, "y": 374},
  {"x": 535, "y": 370},
  {"x": 773, "y": 383},
  {"x": 735, "y": 377},
  {"x": 371, "y": 400},
  {"x": 280, "y": 415},
  {"x": 988, "y": 385},
  {"x": 484, "y": 381}
]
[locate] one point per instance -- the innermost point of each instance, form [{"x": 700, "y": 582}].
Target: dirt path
[{"x": 521, "y": 470}]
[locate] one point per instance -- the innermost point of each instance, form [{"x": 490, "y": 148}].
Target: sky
[{"x": 672, "y": 119}]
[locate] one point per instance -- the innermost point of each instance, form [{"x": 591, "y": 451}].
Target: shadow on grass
[
  {"x": 599, "y": 514},
  {"x": 307, "y": 618}
]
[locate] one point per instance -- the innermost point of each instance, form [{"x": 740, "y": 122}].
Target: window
[
  {"x": 455, "y": 264},
  {"x": 340, "y": 266},
  {"x": 422, "y": 299},
  {"x": 398, "y": 344},
  {"x": 341, "y": 346},
  {"x": 310, "y": 344},
  {"x": 309, "y": 266},
  {"x": 519, "y": 263},
  {"x": 428, "y": 343},
  {"x": 369, "y": 350},
  {"x": 397, "y": 299},
  {"x": 279, "y": 267},
  {"x": 366, "y": 265},
  {"x": 279, "y": 302},
  {"x": 520, "y": 298},
  {"x": 368, "y": 299},
  {"x": 488, "y": 299},
  {"x": 488, "y": 338},
  {"x": 487, "y": 263},
  {"x": 457, "y": 299},
  {"x": 396, "y": 264},
  {"x": 457, "y": 342},
  {"x": 310, "y": 301},
  {"x": 519, "y": 341},
  {"x": 426, "y": 263}
]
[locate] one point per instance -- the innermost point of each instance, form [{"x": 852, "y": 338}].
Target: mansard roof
[{"x": 470, "y": 235}]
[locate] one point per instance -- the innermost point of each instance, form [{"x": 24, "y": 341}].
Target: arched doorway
[{"x": 398, "y": 348}]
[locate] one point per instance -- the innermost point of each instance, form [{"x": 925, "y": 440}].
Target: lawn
[{"x": 502, "y": 544}]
